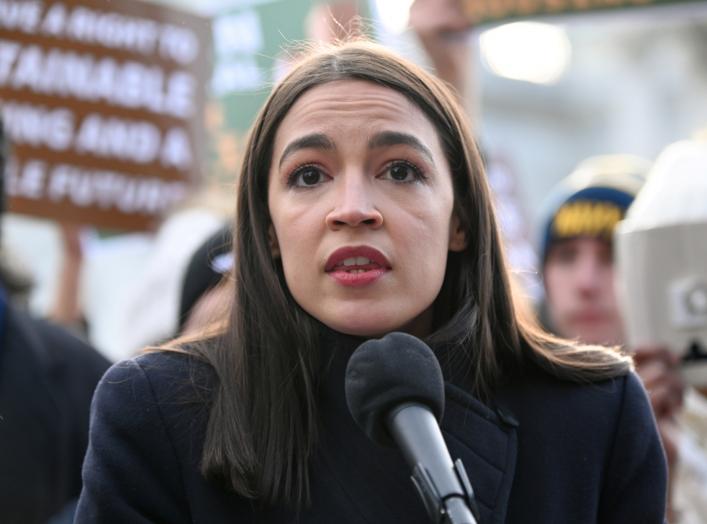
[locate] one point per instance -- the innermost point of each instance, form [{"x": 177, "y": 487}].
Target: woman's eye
[
  {"x": 403, "y": 172},
  {"x": 306, "y": 176}
]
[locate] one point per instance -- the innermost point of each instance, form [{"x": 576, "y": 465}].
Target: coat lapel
[{"x": 486, "y": 441}]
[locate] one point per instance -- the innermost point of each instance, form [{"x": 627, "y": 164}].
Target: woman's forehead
[{"x": 353, "y": 106}]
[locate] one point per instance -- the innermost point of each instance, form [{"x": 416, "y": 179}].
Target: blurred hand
[
  {"x": 659, "y": 369},
  {"x": 441, "y": 27},
  {"x": 66, "y": 308},
  {"x": 437, "y": 17},
  {"x": 71, "y": 240},
  {"x": 670, "y": 435}
]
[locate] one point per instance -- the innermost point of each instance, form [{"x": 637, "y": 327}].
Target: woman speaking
[{"x": 362, "y": 209}]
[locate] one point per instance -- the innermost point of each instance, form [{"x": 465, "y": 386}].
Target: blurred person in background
[
  {"x": 47, "y": 378},
  {"x": 575, "y": 247},
  {"x": 577, "y": 268},
  {"x": 207, "y": 287}
]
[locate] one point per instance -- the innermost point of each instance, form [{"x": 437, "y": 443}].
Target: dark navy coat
[
  {"x": 47, "y": 378},
  {"x": 552, "y": 452}
]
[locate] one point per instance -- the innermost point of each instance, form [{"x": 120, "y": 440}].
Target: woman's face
[{"x": 361, "y": 199}]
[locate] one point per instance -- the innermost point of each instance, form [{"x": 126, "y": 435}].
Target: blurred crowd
[{"x": 48, "y": 369}]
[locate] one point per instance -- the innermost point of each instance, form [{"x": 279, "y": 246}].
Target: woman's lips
[{"x": 356, "y": 266}]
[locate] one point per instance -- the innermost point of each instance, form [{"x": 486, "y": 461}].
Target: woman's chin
[
  {"x": 370, "y": 320},
  {"x": 359, "y": 329},
  {"x": 376, "y": 327}
]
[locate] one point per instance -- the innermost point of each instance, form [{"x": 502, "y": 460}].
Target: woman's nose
[{"x": 354, "y": 205}]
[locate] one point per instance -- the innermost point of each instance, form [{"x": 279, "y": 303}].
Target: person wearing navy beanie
[{"x": 576, "y": 247}]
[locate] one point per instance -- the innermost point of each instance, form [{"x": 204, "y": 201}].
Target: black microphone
[{"x": 395, "y": 392}]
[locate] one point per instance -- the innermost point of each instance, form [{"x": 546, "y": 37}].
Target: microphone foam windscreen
[{"x": 385, "y": 373}]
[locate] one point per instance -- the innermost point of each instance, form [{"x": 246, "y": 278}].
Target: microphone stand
[{"x": 442, "y": 484}]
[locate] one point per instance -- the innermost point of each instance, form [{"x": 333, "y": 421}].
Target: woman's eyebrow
[
  {"x": 312, "y": 141},
  {"x": 395, "y": 138}
]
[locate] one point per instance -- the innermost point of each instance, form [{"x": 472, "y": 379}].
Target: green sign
[{"x": 250, "y": 45}]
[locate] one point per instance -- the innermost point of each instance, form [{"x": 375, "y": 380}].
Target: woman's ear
[
  {"x": 457, "y": 235},
  {"x": 274, "y": 244}
]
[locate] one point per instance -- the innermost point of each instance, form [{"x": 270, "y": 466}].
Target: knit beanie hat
[{"x": 591, "y": 200}]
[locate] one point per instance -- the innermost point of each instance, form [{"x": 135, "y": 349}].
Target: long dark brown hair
[{"x": 263, "y": 419}]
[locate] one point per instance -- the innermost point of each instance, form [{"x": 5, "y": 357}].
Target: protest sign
[{"x": 102, "y": 103}]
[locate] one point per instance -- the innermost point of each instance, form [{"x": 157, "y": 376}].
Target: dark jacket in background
[
  {"x": 47, "y": 378},
  {"x": 548, "y": 452},
  {"x": 207, "y": 266}
]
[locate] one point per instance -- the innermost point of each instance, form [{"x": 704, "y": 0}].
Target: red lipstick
[{"x": 356, "y": 266}]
